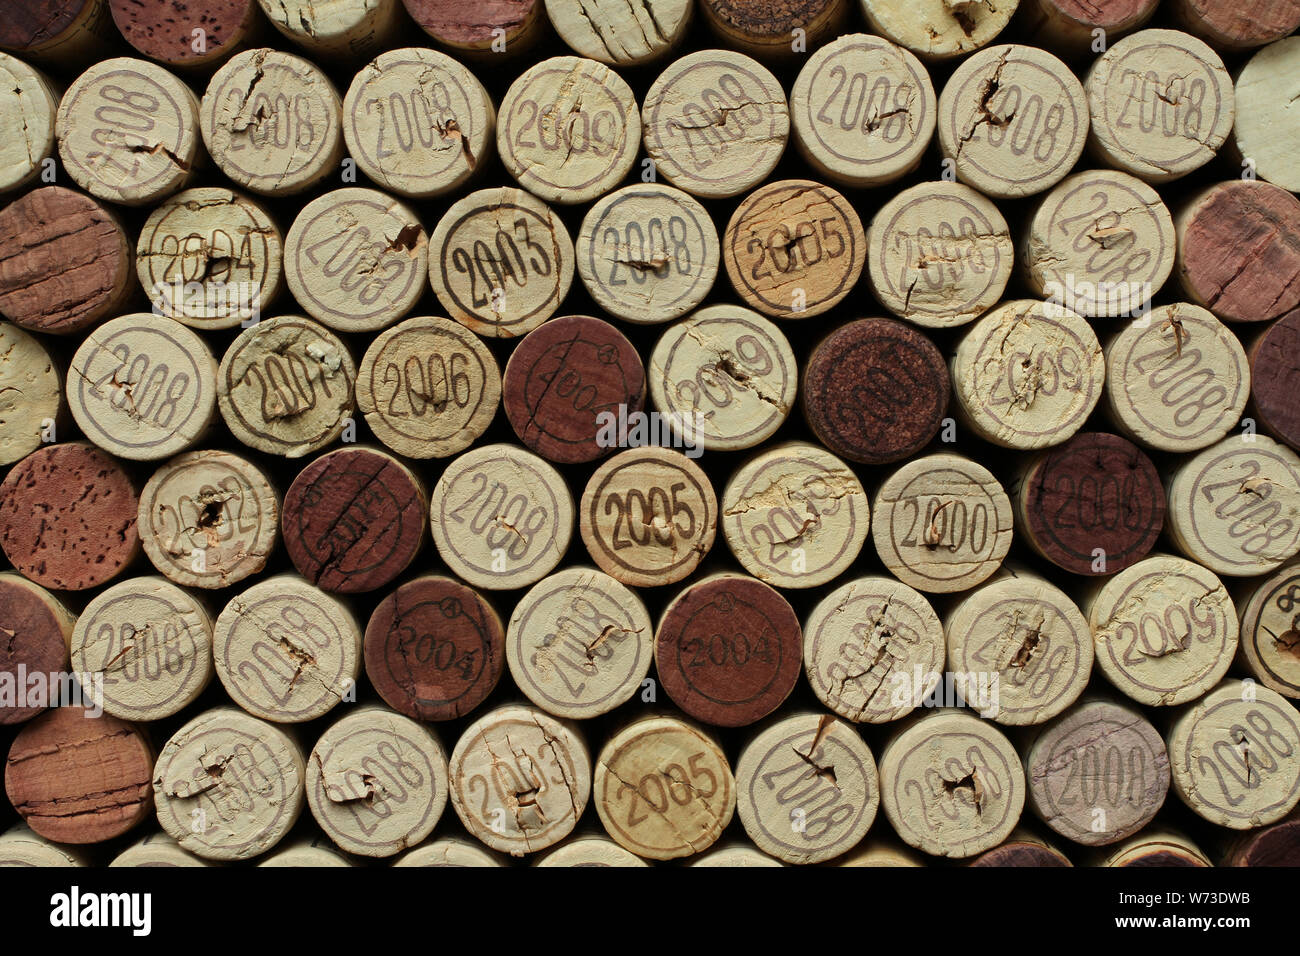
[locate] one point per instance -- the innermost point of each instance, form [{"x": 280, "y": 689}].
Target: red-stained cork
[
  {"x": 34, "y": 633},
  {"x": 164, "y": 30}
]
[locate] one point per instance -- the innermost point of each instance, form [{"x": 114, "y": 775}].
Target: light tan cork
[
  {"x": 449, "y": 851},
  {"x": 29, "y": 103},
  {"x": 621, "y": 32},
  {"x": 939, "y": 29},
  {"x": 1267, "y": 130},
  {"x": 334, "y": 29},
  {"x": 19, "y": 846},
  {"x": 158, "y": 849},
  {"x": 1156, "y": 846},
  {"x": 734, "y": 855},
  {"x": 1270, "y": 631},
  {"x": 879, "y": 851},
  {"x": 306, "y": 852},
  {"x": 31, "y": 395},
  {"x": 591, "y": 851}
]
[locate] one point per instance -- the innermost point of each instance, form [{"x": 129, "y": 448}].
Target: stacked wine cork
[{"x": 582, "y": 433}]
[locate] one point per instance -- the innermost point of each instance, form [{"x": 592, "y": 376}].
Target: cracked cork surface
[
  {"x": 1240, "y": 25},
  {"x": 939, "y": 29},
  {"x": 621, "y": 32},
  {"x": 164, "y": 29},
  {"x": 1267, "y": 131},
  {"x": 470, "y": 27},
  {"x": 57, "y": 29},
  {"x": 28, "y": 104},
  {"x": 286, "y": 651},
  {"x": 1270, "y": 631},
  {"x": 343, "y": 29},
  {"x": 31, "y": 394},
  {"x": 80, "y": 779},
  {"x": 35, "y": 633}
]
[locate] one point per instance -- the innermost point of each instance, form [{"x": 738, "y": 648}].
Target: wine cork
[
  {"x": 1265, "y": 131},
  {"x": 502, "y": 517},
  {"x": 734, "y": 856},
  {"x": 569, "y": 129},
  {"x": 724, "y": 378},
  {"x": 1071, "y": 25},
  {"x": 1270, "y": 632},
  {"x": 664, "y": 789},
  {"x": 875, "y": 391},
  {"x": 1101, "y": 244},
  {"x": 210, "y": 259},
  {"x": 863, "y": 111},
  {"x": 878, "y": 851},
  {"x": 434, "y": 649},
  {"x": 1275, "y": 377},
  {"x": 647, "y": 254},
  {"x": 940, "y": 254},
  {"x": 1161, "y": 105},
  {"x": 448, "y": 851},
  {"x": 285, "y": 387},
  {"x": 418, "y": 123},
  {"x": 146, "y": 646},
  {"x": 1277, "y": 845},
  {"x": 648, "y": 516},
  {"x": 591, "y": 851},
  {"x": 1157, "y": 847},
  {"x": 1235, "y": 755},
  {"x": 68, "y": 517},
  {"x": 208, "y": 519},
  {"x": 1022, "y": 647},
  {"x": 157, "y": 849},
  {"x": 942, "y": 523},
  {"x": 806, "y": 788},
  {"x": 715, "y": 123},
  {"x": 75, "y": 778},
  {"x": 28, "y": 103},
  {"x": 795, "y": 516},
  {"x": 579, "y": 644},
  {"x": 1097, "y": 774},
  {"x": 728, "y": 650},
  {"x": 354, "y": 519},
  {"x": 228, "y": 786},
  {"x": 172, "y": 33},
  {"x": 794, "y": 249},
  {"x": 774, "y": 29},
  {"x": 429, "y": 388},
  {"x": 58, "y": 30},
  {"x": 286, "y": 651},
  {"x": 31, "y": 394},
  {"x": 1235, "y": 507},
  {"x": 951, "y": 785},
  {"x": 1239, "y": 250},
  {"x": 65, "y": 262},
  {"x": 39, "y": 629},
  {"x": 19, "y": 846},
  {"x": 337, "y": 29},
  {"x": 1027, "y": 375},
  {"x": 1178, "y": 381},
  {"x": 501, "y": 262},
  {"x": 129, "y": 132},
  {"x": 143, "y": 387},
  {"x": 520, "y": 779},
  {"x": 939, "y": 29},
  {"x": 1239, "y": 26},
  {"x": 873, "y": 649},
  {"x": 1013, "y": 120},
  {"x": 492, "y": 26},
  {"x": 377, "y": 782},
  {"x": 306, "y": 853},
  {"x": 1092, "y": 506},
  {"x": 567, "y": 383},
  {"x": 620, "y": 33},
  {"x": 356, "y": 259},
  {"x": 1022, "y": 849}
]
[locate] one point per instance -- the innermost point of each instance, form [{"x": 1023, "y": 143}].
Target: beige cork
[
  {"x": 337, "y": 29},
  {"x": 648, "y": 516},
  {"x": 879, "y": 851},
  {"x": 228, "y": 786},
  {"x": 723, "y": 379},
  {"x": 129, "y": 132},
  {"x": 591, "y": 851},
  {"x": 285, "y": 386},
  {"x": 449, "y": 851},
  {"x": 502, "y": 517},
  {"x": 942, "y": 523},
  {"x": 1235, "y": 507},
  {"x": 520, "y": 779},
  {"x": 1177, "y": 380},
  {"x": 286, "y": 651},
  {"x": 873, "y": 649},
  {"x": 158, "y": 849},
  {"x": 648, "y": 253},
  {"x": 306, "y": 852},
  {"x": 500, "y": 262},
  {"x": 1101, "y": 243},
  {"x": 147, "y": 645},
  {"x": 664, "y": 789},
  {"x": 1028, "y": 375},
  {"x": 377, "y": 782},
  {"x": 795, "y": 516},
  {"x": 1235, "y": 755},
  {"x": 19, "y": 846},
  {"x": 1022, "y": 647},
  {"x": 715, "y": 123},
  {"x": 1267, "y": 131},
  {"x": 418, "y": 123},
  {"x": 429, "y": 388},
  {"x": 31, "y": 394},
  {"x": 1161, "y": 105},
  {"x": 621, "y": 32},
  {"x": 272, "y": 122},
  {"x": 579, "y": 643},
  {"x": 1013, "y": 121},
  {"x": 210, "y": 258},
  {"x": 733, "y": 855},
  {"x": 807, "y": 789},
  {"x": 29, "y": 103},
  {"x": 951, "y": 784},
  {"x": 1270, "y": 631},
  {"x": 143, "y": 387},
  {"x": 569, "y": 129},
  {"x": 939, "y": 29},
  {"x": 1156, "y": 846}
]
